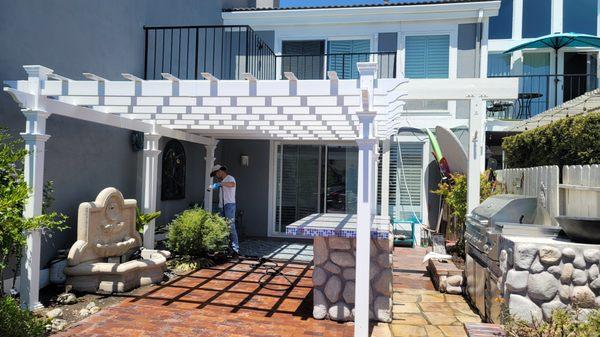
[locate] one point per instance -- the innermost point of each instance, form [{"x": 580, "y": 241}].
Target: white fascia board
[
  {"x": 445, "y": 89},
  {"x": 362, "y": 14}
]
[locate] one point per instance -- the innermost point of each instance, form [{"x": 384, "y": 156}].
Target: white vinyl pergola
[{"x": 203, "y": 111}]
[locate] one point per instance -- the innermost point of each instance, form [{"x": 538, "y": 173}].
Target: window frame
[{"x": 451, "y": 31}]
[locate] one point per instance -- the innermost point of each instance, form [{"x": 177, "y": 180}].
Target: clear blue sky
[{"x": 291, "y": 3}]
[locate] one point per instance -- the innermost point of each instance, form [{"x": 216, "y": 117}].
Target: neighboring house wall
[
  {"x": 252, "y": 193},
  {"x": 100, "y": 36}
]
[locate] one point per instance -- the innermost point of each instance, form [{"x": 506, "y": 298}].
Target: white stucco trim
[{"x": 354, "y": 15}]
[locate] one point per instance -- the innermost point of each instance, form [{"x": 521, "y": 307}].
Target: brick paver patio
[
  {"x": 419, "y": 310},
  {"x": 226, "y": 300}
]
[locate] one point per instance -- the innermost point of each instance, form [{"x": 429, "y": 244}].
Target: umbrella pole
[{"x": 555, "y": 77}]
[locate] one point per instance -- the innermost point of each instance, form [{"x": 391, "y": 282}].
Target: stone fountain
[{"x": 104, "y": 258}]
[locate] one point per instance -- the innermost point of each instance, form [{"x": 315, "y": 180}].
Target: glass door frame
[{"x": 273, "y": 176}]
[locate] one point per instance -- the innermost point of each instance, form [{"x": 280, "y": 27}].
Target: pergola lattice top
[{"x": 262, "y": 109}]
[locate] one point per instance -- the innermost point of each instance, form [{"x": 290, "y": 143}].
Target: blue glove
[{"x": 215, "y": 186}]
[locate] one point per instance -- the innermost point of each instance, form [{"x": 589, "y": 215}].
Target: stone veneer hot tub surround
[
  {"x": 540, "y": 274},
  {"x": 334, "y": 259}
]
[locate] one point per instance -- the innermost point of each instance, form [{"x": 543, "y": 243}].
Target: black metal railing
[
  {"x": 313, "y": 67},
  {"x": 226, "y": 52},
  {"x": 538, "y": 93}
]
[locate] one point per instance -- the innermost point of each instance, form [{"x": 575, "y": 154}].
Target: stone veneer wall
[
  {"x": 334, "y": 274},
  {"x": 538, "y": 278}
]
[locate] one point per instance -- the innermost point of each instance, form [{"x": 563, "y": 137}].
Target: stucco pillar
[
  {"x": 364, "y": 209},
  {"x": 210, "y": 162},
  {"x": 476, "y": 153},
  {"x": 35, "y": 138},
  {"x": 150, "y": 184}
]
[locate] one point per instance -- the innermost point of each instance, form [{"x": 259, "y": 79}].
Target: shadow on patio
[{"x": 236, "y": 298}]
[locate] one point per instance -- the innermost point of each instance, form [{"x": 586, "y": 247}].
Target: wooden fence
[
  {"x": 540, "y": 182},
  {"x": 581, "y": 191},
  {"x": 577, "y": 195}
]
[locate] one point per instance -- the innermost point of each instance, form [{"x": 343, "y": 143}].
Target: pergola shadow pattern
[{"x": 244, "y": 297}]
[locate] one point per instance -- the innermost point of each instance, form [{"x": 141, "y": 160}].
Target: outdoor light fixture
[{"x": 245, "y": 160}]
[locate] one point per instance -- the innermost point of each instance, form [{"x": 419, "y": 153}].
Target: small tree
[
  {"x": 14, "y": 193},
  {"x": 454, "y": 192}
]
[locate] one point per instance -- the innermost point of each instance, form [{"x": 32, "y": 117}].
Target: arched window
[{"x": 173, "y": 171}]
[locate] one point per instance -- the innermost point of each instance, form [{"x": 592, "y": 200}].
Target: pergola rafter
[{"x": 287, "y": 110}]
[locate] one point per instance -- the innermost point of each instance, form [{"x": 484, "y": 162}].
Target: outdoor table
[
  {"x": 334, "y": 249},
  {"x": 524, "y": 100},
  {"x": 500, "y": 106}
]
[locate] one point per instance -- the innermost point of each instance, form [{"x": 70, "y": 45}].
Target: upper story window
[
  {"x": 536, "y": 17},
  {"x": 501, "y": 25},
  {"x": 580, "y": 16},
  {"x": 303, "y": 58},
  {"x": 344, "y": 54},
  {"x": 427, "y": 56}
]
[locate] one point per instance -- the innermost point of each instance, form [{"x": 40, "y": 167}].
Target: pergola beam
[{"x": 83, "y": 113}]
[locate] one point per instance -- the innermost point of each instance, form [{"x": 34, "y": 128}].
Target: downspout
[{"x": 478, "y": 33}]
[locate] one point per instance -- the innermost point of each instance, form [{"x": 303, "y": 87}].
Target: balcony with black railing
[
  {"x": 228, "y": 52},
  {"x": 538, "y": 93}
]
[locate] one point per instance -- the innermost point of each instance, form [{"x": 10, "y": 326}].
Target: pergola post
[
  {"x": 367, "y": 166},
  {"x": 35, "y": 138},
  {"x": 476, "y": 153},
  {"x": 210, "y": 162},
  {"x": 150, "y": 184}
]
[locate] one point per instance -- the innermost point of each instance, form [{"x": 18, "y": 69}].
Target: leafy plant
[
  {"x": 141, "y": 219},
  {"x": 14, "y": 194},
  {"x": 564, "y": 323},
  {"x": 568, "y": 141},
  {"x": 197, "y": 233},
  {"x": 454, "y": 192},
  {"x": 17, "y": 322}
]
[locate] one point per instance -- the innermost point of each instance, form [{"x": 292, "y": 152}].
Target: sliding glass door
[{"x": 314, "y": 179}]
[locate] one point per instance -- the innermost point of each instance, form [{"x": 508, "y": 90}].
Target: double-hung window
[{"x": 427, "y": 56}]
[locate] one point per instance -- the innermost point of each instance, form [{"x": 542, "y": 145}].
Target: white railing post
[
  {"x": 364, "y": 209},
  {"x": 35, "y": 138},
  {"x": 210, "y": 161},
  {"x": 150, "y": 184}
]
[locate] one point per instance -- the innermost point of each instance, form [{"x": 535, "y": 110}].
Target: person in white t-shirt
[{"x": 226, "y": 185}]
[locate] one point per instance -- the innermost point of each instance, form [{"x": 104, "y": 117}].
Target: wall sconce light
[{"x": 245, "y": 160}]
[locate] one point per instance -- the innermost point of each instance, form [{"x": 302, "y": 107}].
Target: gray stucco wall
[
  {"x": 268, "y": 36},
  {"x": 194, "y": 182},
  {"x": 252, "y": 193},
  {"x": 100, "y": 36},
  {"x": 468, "y": 65}
]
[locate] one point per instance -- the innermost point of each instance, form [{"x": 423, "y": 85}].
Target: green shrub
[
  {"x": 197, "y": 232},
  {"x": 16, "y": 322},
  {"x": 568, "y": 141},
  {"x": 564, "y": 323}
]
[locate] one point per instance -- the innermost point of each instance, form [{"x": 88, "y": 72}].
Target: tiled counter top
[{"x": 337, "y": 225}]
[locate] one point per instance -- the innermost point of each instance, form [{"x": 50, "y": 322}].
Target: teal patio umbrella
[{"x": 557, "y": 41}]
